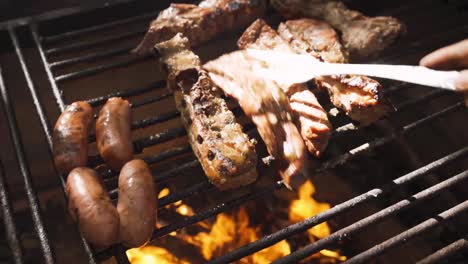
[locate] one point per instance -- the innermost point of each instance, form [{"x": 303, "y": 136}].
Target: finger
[
  {"x": 462, "y": 81},
  {"x": 451, "y": 57}
]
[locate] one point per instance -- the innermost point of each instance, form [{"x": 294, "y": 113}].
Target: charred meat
[
  {"x": 226, "y": 154},
  {"x": 310, "y": 117},
  {"x": 359, "y": 97},
  {"x": 200, "y": 23},
  {"x": 268, "y": 107},
  {"x": 362, "y": 36}
]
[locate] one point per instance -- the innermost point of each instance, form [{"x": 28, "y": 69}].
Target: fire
[
  {"x": 231, "y": 232},
  {"x": 152, "y": 255},
  {"x": 306, "y": 207}
]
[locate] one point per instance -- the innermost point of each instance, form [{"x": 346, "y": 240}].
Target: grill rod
[
  {"x": 33, "y": 200},
  {"x": 74, "y": 33},
  {"x": 410, "y": 233},
  {"x": 376, "y": 218},
  {"x": 339, "y": 209},
  {"x": 442, "y": 254},
  {"x": 7, "y": 213}
]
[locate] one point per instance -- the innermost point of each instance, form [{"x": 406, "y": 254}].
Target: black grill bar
[
  {"x": 91, "y": 43},
  {"x": 74, "y": 33},
  {"x": 55, "y": 90},
  {"x": 157, "y": 158},
  {"x": 410, "y": 233},
  {"x": 151, "y": 100},
  {"x": 30, "y": 192},
  {"x": 100, "y": 68},
  {"x": 127, "y": 93},
  {"x": 92, "y": 56},
  {"x": 7, "y": 214},
  {"x": 442, "y": 254},
  {"x": 339, "y": 209}
]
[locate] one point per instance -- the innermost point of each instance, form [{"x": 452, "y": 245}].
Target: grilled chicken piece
[
  {"x": 201, "y": 23},
  {"x": 310, "y": 117},
  {"x": 364, "y": 37},
  {"x": 268, "y": 107},
  {"x": 226, "y": 154},
  {"x": 359, "y": 96}
]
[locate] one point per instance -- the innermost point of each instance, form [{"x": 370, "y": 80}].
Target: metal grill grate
[{"x": 49, "y": 46}]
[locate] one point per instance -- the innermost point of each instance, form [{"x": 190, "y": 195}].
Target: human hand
[{"x": 453, "y": 57}]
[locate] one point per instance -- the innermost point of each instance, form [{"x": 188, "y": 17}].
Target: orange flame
[
  {"x": 230, "y": 232},
  {"x": 306, "y": 207},
  {"x": 152, "y": 255}
]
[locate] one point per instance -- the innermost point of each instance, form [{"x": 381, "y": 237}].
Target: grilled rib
[
  {"x": 268, "y": 107},
  {"x": 359, "y": 97},
  {"x": 226, "y": 154},
  {"x": 310, "y": 117},
  {"x": 200, "y": 23},
  {"x": 363, "y": 37}
]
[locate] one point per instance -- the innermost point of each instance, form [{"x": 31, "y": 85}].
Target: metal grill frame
[{"x": 118, "y": 251}]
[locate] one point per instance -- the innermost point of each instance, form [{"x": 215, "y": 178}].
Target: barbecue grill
[{"x": 85, "y": 55}]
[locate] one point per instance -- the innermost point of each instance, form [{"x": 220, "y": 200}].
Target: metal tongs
[{"x": 288, "y": 68}]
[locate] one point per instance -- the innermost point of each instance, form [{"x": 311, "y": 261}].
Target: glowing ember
[
  {"x": 185, "y": 210},
  {"x": 163, "y": 192},
  {"x": 152, "y": 255}
]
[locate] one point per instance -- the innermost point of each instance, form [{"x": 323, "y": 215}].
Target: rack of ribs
[
  {"x": 359, "y": 97},
  {"x": 225, "y": 152},
  {"x": 265, "y": 103},
  {"x": 364, "y": 37},
  {"x": 202, "y": 22},
  {"x": 310, "y": 117}
]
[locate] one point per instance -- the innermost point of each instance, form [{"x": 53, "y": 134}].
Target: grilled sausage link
[
  {"x": 137, "y": 203},
  {"x": 90, "y": 205},
  {"x": 70, "y": 138},
  {"x": 113, "y": 133}
]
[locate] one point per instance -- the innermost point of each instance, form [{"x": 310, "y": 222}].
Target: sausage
[
  {"x": 137, "y": 203},
  {"x": 113, "y": 133},
  {"x": 90, "y": 205},
  {"x": 70, "y": 137}
]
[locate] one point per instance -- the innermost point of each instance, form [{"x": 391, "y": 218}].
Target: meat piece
[
  {"x": 137, "y": 203},
  {"x": 310, "y": 117},
  {"x": 359, "y": 97},
  {"x": 70, "y": 139},
  {"x": 201, "y": 23},
  {"x": 113, "y": 133},
  {"x": 268, "y": 107},
  {"x": 90, "y": 206},
  {"x": 226, "y": 154},
  {"x": 364, "y": 37}
]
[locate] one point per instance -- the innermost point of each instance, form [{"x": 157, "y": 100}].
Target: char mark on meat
[
  {"x": 359, "y": 97},
  {"x": 225, "y": 152},
  {"x": 310, "y": 117}
]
